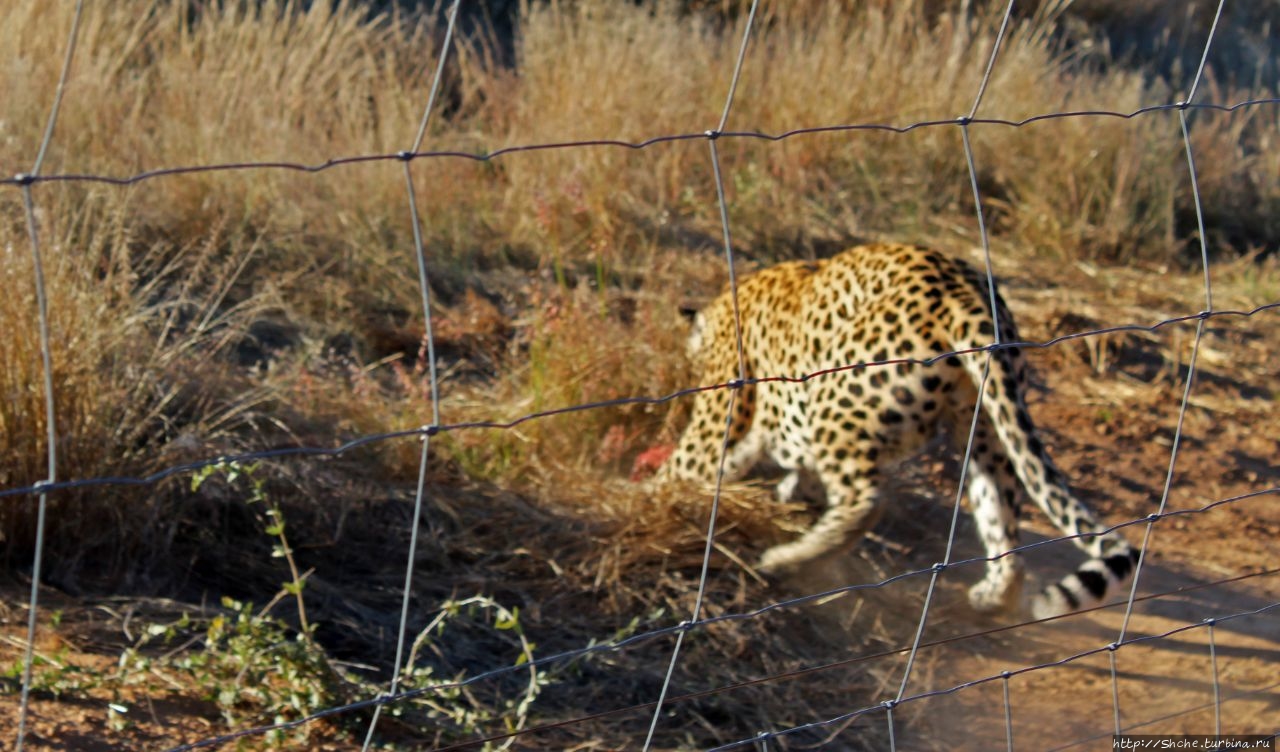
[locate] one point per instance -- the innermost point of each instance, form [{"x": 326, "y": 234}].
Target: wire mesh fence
[{"x": 903, "y": 690}]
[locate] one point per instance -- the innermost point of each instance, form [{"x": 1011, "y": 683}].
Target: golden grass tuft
[{"x": 84, "y": 334}]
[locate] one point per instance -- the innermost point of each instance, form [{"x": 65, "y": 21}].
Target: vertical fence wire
[
  {"x": 762, "y": 742},
  {"x": 888, "y": 719},
  {"x": 424, "y": 288},
  {"x": 742, "y": 374},
  {"x": 1217, "y": 689},
  {"x": 51, "y": 437},
  {"x": 1208, "y": 306},
  {"x": 1191, "y": 363},
  {"x": 46, "y": 357},
  {"x": 1115, "y": 688},
  {"x": 1200, "y": 325},
  {"x": 1008, "y": 712},
  {"x": 986, "y": 366},
  {"x": 702, "y": 579}
]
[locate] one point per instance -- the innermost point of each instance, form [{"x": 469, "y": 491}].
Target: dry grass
[
  {"x": 228, "y": 310},
  {"x": 128, "y": 324}
]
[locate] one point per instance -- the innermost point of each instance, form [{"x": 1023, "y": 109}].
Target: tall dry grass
[
  {"x": 84, "y": 331},
  {"x": 267, "y": 298},
  {"x": 1104, "y": 188},
  {"x": 138, "y": 345}
]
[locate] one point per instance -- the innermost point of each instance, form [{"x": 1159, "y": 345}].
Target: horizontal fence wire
[
  {"x": 25, "y": 182},
  {"x": 845, "y": 663},
  {"x": 30, "y": 179},
  {"x": 430, "y": 430},
  {"x": 632, "y": 641},
  {"x": 1180, "y": 713},
  {"x": 411, "y": 694},
  {"x": 891, "y": 704}
]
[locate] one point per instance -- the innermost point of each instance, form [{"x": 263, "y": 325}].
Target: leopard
[{"x": 842, "y": 369}]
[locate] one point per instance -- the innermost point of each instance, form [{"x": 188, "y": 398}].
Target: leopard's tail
[{"x": 1113, "y": 560}]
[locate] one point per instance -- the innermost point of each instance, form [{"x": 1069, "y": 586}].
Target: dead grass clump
[
  {"x": 78, "y": 348},
  {"x": 576, "y": 346},
  {"x": 1080, "y": 187},
  {"x": 127, "y": 322},
  {"x": 155, "y": 86},
  {"x": 616, "y": 555},
  {"x": 1237, "y": 157}
]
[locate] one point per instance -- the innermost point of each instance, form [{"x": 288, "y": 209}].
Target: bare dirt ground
[
  {"x": 1114, "y": 437},
  {"x": 1108, "y": 407}
]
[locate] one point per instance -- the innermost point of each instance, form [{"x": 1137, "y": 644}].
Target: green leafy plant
[
  {"x": 53, "y": 672},
  {"x": 253, "y": 662},
  {"x": 255, "y": 665},
  {"x": 272, "y": 520},
  {"x": 448, "y": 701}
]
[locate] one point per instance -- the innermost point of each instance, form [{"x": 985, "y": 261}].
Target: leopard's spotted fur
[{"x": 871, "y": 304}]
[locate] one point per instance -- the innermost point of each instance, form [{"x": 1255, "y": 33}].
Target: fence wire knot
[
  {"x": 712, "y": 134},
  {"x": 24, "y": 178},
  {"x": 939, "y": 568},
  {"x": 405, "y": 155}
]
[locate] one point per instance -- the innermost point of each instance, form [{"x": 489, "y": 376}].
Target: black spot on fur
[
  {"x": 1095, "y": 583},
  {"x": 1122, "y": 564},
  {"x": 1072, "y": 601}
]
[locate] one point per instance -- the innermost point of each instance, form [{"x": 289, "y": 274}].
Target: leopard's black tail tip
[{"x": 1088, "y": 586}]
